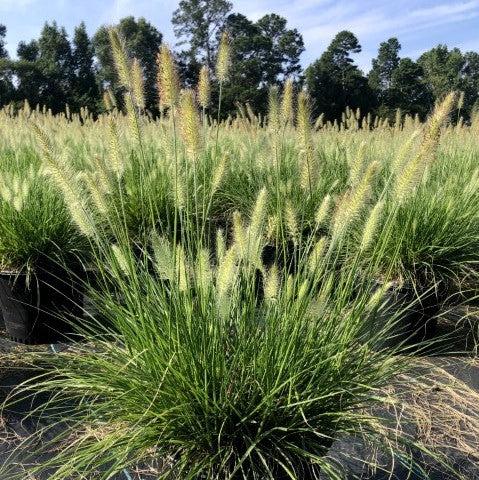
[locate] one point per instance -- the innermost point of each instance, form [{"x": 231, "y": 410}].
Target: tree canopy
[
  {"x": 335, "y": 82},
  {"x": 196, "y": 23},
  {"x": 142, "y": 40},
  {"x": 54, "y": 70}
]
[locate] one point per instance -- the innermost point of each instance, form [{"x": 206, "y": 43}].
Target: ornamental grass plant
[{"x": 206, "y": 359}]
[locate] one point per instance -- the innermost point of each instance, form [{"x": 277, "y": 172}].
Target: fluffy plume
[
  {"x": 116, "y": 159},
  {"x": 102, "y": 173},
  {"x": 258, "y": 216},
  {"x": 168, "y": 80},
  {"x": 273, "y": 108},
  {"x": 287, "y": 107},
  {"x": 352, "y": 202},
  {"x": 107, "y": 101},
  {"x": 97, "y": 194},
  {"x": 323, "y": 211},
  {"x": 223, "y": 60},
  {"x": 303, "y": 119},
  {"x": 179, "y": 191},
  {"x": 239, "y": 233},
  {"x": 138, "y": 84},
  {"x": 404, "y": 150},
  {"x": 204, "y": 274},
  {"x": 190, "y": 123},
  {"x": 308, "y": 166},
  {"x": 163, "y": 256},
  {"x": 291, "y": 221},
  {"x": 271, "y": 284},
  {"x": 204, "y": 87},
  {"x": 271, "y": 227},
  {"x": 122, "y": 62},
  {"x": 181, "y": 268},
  {"x": 64, "y": 177},
  {"x": 371, "y": 226},
  {"x": 411, "y": 174},
  {"x": 314, "y": 260},
  {"x": 303, "y": 290},
  {"x": 218, "y": 174},
  {"x": 14, "y": 190},
  {"x": 133, "y": 119},
  {"x": 226, "y": 272},
  {"x": 356, "y": 165},
  {"x": 112, "y": 98},
  {"x": 121, "y": 259}
]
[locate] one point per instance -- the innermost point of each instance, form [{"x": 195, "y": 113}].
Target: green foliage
[
  {"x": 264, "y": 54},
  {"x": 143, "y": 41},
  {"x": 446, "y": 70},
  {"x": 3, "y": 33},
  {"x": 442, "y": 68},
  {"x": 283, "y": 55},
  {"x": 54, "y": 71},
  {"x": 55, "y": 63},
  {"x": 197, "y": 23},
  {"x": 205, "y": 359},
  {"x": 409, "y": 91},
  {"x": 85, "y": 87},
  {"x": 384, "y": 65},
  {"x": 36, "y": 225},
  {"x": 6, "y": 84},
  {"x": 334, "y": 82}
]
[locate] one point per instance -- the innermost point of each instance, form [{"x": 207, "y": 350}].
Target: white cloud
[{"x": 445, "y": 9}]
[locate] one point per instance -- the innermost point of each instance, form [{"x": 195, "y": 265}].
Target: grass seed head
[
  {"x": 323, "y": 211},
  {"x": 190, "y": 123},
  {"x": 271, "y": 284},
  {"x": 168, "y": 79},
  {"x": 371, "y": 226},
  {"x": 273, "y": 108},
  {"x": 120, "y": 57},
  {"x": 412, "y": 173},
  {"x": 223, "y": 61},
  {"x": 138, "y": 84},
  {"x": 287, "y": 103},
  {"x": 204, "y": 87},
  {"x": 353, "y": 201}
]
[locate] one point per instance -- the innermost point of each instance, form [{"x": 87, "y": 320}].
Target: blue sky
[{"x": 419, "y": 24}]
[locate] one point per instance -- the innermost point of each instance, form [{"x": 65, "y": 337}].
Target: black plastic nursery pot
[{"x": 40, "y": 308}]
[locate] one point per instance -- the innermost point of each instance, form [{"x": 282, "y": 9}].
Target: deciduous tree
[{"x": 196, "y": 24}]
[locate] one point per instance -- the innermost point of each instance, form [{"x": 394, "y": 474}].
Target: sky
[{"x": 418, "y": 24}]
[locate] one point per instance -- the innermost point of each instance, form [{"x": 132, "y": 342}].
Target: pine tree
[{"x": 335, "y": 82}]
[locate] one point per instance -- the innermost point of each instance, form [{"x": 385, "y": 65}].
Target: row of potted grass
[{"x": 431, "y": 236}]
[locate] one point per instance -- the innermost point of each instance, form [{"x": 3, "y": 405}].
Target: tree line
[{"x": 54, "y": 70}]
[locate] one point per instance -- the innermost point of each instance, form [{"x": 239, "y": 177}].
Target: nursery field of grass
[{"x": 261, "y": 287}]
